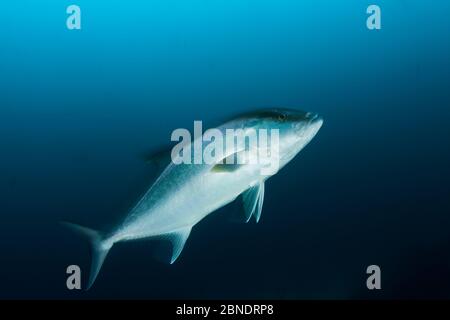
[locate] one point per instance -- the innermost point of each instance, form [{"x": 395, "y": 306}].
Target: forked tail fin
[{"x": 99, "y": 249}]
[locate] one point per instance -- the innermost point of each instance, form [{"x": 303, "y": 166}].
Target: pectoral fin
[
  {"x": 253, "y": 200},
  {"x": 231, "y": 163},
  {"x": 225, "y": 167}
]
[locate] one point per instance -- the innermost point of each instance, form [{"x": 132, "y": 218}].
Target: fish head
[{"x": 295, "y": 129}]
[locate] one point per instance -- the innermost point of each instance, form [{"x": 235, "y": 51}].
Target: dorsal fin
[{"x": 159, "y": 158}]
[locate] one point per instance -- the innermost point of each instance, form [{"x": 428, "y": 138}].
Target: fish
[{"x": 185, "y": 193}]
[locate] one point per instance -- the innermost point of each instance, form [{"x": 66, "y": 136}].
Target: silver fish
[{"x": 184, "y": 194}]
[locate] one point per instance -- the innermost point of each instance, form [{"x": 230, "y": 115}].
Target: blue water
[{"x": 78, "y": 107}]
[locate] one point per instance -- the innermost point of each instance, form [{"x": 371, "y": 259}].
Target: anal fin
[{"x": 178, "y": 240}]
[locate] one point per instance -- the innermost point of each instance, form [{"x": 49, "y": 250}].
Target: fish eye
[{"x": 281, "y": 117}]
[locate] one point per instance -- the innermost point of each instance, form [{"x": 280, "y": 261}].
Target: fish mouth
[
  {"x": 316, "y": 121},
  {"x": 311, "y": 123}
]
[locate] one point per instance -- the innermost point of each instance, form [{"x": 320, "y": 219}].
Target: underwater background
[{"x": 79, "y": 107}]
